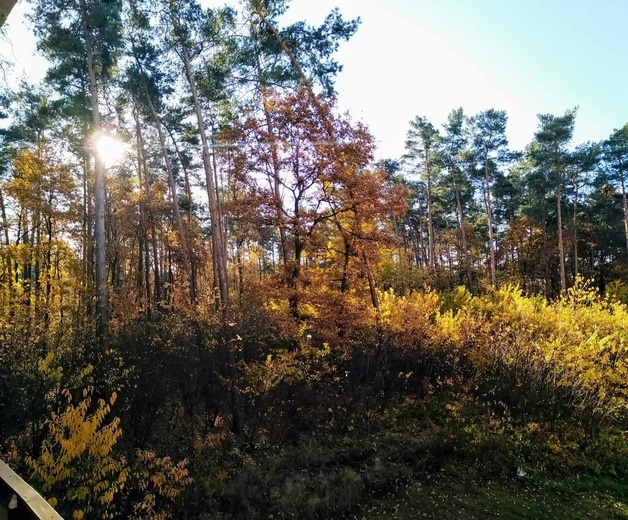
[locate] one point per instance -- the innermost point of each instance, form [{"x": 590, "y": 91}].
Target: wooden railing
[
  {"x": 19, "y": 501},
  {"x": 5, "y": 9}
]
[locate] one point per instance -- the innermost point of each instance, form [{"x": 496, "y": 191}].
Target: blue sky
[{"x": 426, "y": 57}]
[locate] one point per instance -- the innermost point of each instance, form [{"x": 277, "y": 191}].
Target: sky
[{"x": 427, "y": 57}]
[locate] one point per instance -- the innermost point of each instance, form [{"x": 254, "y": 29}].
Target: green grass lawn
[{"x": 448, "y": 497}]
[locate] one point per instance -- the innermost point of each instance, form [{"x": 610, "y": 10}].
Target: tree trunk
[
  {"x": 174, "y": 199},
  {"x": 186, "y": 176},
  {"x": 344, "y": 282},
  {"x": 561, "y": 247},
  {"x": 157, "y": 293},
  {"x": 5, "y": 224},
  {"x": 143, "y": 260},
  {"x": 294, "y": 273},
  {"x": 545, "y": 261},
  {"x": 88, "y": 217},
  {"x": 575, "y": 229},
  {"x": 489, "y": 218},
  {"x": 463, "y": 234},
  {"x": 430, "y": 223},
  {"x": 218, "y": 249},
  {"x": 102, "y": 303},
  {"x": 624, "y": 200},
  {"x": 420, "y": 251},
  {"x": 218, "y": 241},
  {"x": 276, "y": 181},
  {"x": 240, "y": 271},
  {"x": 224, "y": 226},
  {"x": 371, "y": 281}
]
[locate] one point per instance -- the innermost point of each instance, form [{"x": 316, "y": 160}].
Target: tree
[
  {"x": 183, "y": 16},
  {"x": 452, "y": 152},
  {"x": 488, "y": 139},
  {"x": 604, "y": 231},
  {"x": 262, "y": 58},
  {"x": 584, "y": 160},
  {"x": 310, "y": 171},
  {"x": 615, "y": 150},
  {"x": 148, "y": 84},
  {"x": 421, "y": 146},
  {"x": 552, "y": 157},
  {"x": 77, "y": 460},
  {"x": 82, "y": 39},
  {"x": 270, "y": 52}
]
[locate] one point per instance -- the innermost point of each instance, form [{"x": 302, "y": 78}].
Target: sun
[{"x": 108, "y": 148}]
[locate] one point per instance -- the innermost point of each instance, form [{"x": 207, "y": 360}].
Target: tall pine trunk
[
  {"x": 561, "y": 246},
  {"x": 275, "y": 171},
  {"x": 157, "y": 292},
  {"x": 624, "y": 200},
  {"x": 219, "y": 249},
  {"x": 575, "y": 229},
  {"x": 463, "y": 235},
  {"x": 143, "y": 254},
  {"x": 5, "y": 223},
  {"x": 174, "y": 199},
  {"x": 430, "y": 223},
  {"x": 489, "y": 218},
  {"x": 102, "y": 300}
]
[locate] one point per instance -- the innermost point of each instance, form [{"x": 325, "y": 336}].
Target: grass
[
  {"x": 454, "y": 497},
  {"x": 459, "y": 464}
]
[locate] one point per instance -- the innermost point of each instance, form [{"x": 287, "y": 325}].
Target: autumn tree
[
  {"x": 293, "y": 157},
  {"x": 262, "y": 59}
]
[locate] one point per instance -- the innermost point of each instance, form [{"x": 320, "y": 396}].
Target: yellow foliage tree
[
  {"x": 77, "y": 466},
  {"x": 161, "y": 482}
]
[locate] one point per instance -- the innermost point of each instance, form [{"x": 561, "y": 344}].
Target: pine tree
[{"x": 82, "y": 39}]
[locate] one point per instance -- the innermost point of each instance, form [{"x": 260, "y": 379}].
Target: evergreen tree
[
  {"x": 552, "y": 158},
  {"x": 421, "y": 154},
  {"x": 616, "y": 160},
  {"x": 488, "y": 140},
  {"x": 82, "y": 39},
  {"x": 452, "y": 151}
]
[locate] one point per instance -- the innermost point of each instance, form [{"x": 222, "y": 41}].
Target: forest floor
[
  {"x": 409, "y": 467},
  {"x": 456, "y": 496}
]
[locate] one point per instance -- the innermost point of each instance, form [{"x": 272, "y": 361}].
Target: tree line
[
  {"x": 482, "y": 215},
  {"x": 233, "y": 159}
]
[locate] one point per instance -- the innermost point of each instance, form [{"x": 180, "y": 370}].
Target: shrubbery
[{"x": 334, "y": 412}]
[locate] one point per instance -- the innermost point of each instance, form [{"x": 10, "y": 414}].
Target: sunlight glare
[{"x": 109, "y": 149}]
